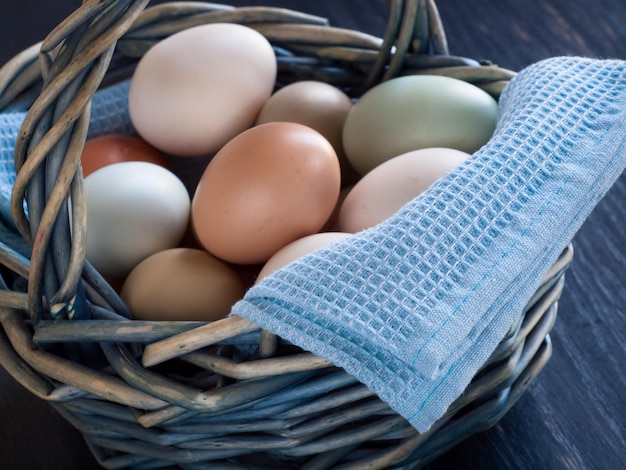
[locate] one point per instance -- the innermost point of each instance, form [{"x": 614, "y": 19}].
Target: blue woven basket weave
[{"x": 246, "y": 399}]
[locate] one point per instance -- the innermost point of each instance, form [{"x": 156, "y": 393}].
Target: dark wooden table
[{"x": 574, "y": 414}]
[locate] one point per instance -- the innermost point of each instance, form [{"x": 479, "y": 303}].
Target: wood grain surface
[{"x": 574, "y": 414}]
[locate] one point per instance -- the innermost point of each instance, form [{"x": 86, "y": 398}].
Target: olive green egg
[{"x": 414, "y": 112}]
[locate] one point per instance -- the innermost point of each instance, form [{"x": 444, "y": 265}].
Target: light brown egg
[
  {"x": 181, "y": 284},
  {"x": 318, "y": 105},
  {"x": 268, "y": 186}
]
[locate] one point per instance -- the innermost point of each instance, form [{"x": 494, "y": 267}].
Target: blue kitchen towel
[
  {"x": 109, "y": 115},
  {"x": 414, "y": 306}
]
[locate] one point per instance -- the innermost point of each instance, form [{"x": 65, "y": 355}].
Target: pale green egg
[{"x": 414, "y": 112}]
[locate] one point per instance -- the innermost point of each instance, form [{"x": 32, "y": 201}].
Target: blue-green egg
[{"x": 414, "y": 112}]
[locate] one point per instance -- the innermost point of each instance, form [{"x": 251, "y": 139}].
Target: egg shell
[
  {"x": 316, "y": 104},
  {"x": 414, "y": 112},
  {"x": 117, "y": 148},
  {"x": 182, "y": 284},
  {"x": 195, "y": 90},
  {"x": 389, "y": 186},
  {"x": 268, "y": 186},
  {"x": 134, "y": 209},
  {"x": 298, "y": 248}
]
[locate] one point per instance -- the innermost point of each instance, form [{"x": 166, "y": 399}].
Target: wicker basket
[{"x": 224, "y": 395}]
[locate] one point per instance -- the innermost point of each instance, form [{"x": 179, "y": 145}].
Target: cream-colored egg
[
  {"x": 195, "y": 90},
  {"x": 181, "y": 284},
  {"x": 386, "y": 188},
  {"x": 299, "y": 248},
  {"x": 134, "y": 209},
  {"x": 417, "y": 111}
]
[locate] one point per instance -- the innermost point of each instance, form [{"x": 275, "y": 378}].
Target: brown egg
[
  {"x": 268, "y": 186},
  {"x": 181, "y": 284},
  {"x": 316, "y": 104},
  {"x": 117, "y": 148}
]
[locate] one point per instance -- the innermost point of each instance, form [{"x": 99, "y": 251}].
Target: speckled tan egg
[
  {"x": 181, "y": 284},
  {"x": 268, "y": 186}
]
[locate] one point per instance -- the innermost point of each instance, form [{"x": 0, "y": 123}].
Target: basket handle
[
  {"x": 413, "y": 26},
  {"x": 73, "y": 60}
]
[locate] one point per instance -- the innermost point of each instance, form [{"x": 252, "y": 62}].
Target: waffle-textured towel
[{"x": 415, "y": 305}]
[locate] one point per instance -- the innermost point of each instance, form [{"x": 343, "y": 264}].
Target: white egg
[
  {"x": 197, "y": 89},
  {"x": 134, "y": 209},
  {"x": 386, "y": 188},
  {"x": 297, "y": 249}
]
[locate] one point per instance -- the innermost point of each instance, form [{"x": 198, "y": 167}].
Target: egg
[
  {"x": 316, "y": 104},
  {"x": 181, "y": 284},
  {"x": 198, "y": 88},
  {"x": 297, "y": 249},
  {"x": 386, "y": 188},
  {"x": 414, "y": 112},
  {"x": 268, "y": 186},
  {"x": 116, "y": 148},
  {"x": 134, "y": 209}
]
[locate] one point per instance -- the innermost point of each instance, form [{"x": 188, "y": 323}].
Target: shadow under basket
[{"x": 226, "y": 394}]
